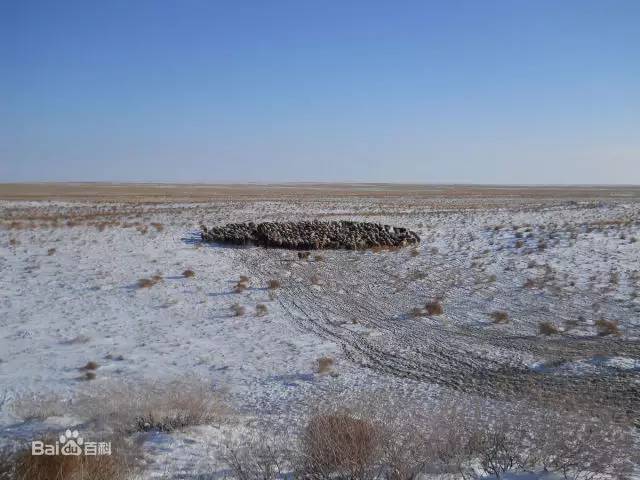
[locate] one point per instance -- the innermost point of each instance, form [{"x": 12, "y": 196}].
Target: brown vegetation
[
  {"x": 548, "y": 328},
  {"x": 607, "y": 327},
  {"x": 433, "y": 308},
  {"x": 325, "y": 364},
  {"x": 499, "y": 316},
  {"x": 261, "y": 309},
  {"x": 149, "y": 282},
  {"x": 238, "y": 310}
]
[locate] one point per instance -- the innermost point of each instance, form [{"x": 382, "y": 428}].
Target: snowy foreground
[{"x": 539, "y": 298}]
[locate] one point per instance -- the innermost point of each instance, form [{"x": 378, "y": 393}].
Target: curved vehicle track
[{"x": 362, "y": 302}]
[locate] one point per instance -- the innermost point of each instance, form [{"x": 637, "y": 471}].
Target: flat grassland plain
[{"x": 538, "y": 289}]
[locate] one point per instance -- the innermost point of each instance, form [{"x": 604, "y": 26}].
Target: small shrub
[
  {"x": 339, "y": 446},
  {"x": 51, "y": 251},
  {"x": 90, "y": 366},
  {"x": 188, "y": 273},
  {"x": 149, "y": 282},
  {"x": 238, "y": 310},
  {"x": 433, "y": 308},
  {"x": 607, "y": 327},
  {"x": 261, "y": 309},
  {"x": 547, "y": 328},
  {"x": 500, "y": 316},
  {"x": 303, "y": 255},
  {"x": 89, "y": 376},
  {"x": 240, "y": 287},
  {"x": 325, "y": 364},
  {"x": 273, "y": 284}
]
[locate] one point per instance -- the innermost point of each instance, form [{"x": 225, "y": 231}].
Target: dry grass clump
[
  {"x": 339, "y": 445},
  {"x": 607, "y": 327},
  {"x": 91, "y": 365},
  {"x": 303, "y": 255},
  {"x": 324, "y": 365},
  {"x": 238, "y": 310},
  {"x": 51, "y": 251},
  {"x": 273, "y": 284},
  {"x": 499, "y": 316},
  {"x": 89, "y": 375},
  {"x": 149, "y": 282},
  {"x": 261, "y": 309},
  {"x": 121, "y": 464},
  {"x": 319, "y": 257},
  {"x": 547, "y": 328},
  {"x": 188, "y": 273},
  {"x": 417, "y": 312},
  {"x": 242, "y": 284},
  {"x": 162, "y": 406},
  {"x": 415, "y": 252},
  {"x": 433, "y": 308},
  {"x": 158, "y": 226},
  {"x": 315, "y": 280}
]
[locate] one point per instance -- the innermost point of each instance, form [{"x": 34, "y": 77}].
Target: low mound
[{"x": 311, "y": 235}]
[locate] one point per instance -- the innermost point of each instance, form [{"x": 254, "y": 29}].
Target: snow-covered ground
[{"x": 69, "y": 295}]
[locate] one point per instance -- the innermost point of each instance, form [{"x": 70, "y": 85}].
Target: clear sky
[{"x": 483, "y": 91}]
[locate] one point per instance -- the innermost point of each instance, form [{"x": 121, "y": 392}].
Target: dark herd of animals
[{"x": 314, "y": 235}]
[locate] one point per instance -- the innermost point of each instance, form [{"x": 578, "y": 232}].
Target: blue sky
[{"x": 409, "y": 91}]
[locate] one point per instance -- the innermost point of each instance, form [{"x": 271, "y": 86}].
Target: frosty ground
[{"x": 539, "y": 293}]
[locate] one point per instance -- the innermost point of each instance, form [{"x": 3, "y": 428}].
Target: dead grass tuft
[
  {"x": 238, "y": 310},
  {"x": 547, "y": 328},
  {"x": 607, "y": 327},
  {"x": 433, "y": 308},
  {"x": 339, "y": 445},
  {"x": 188, "y": 273},
  {"x": 325, "y": 365},
  {"x": 261, "y": 309},
  {"x": 149, "y": 282},
  {"x": 273, "y": 284},
  {"x": 90, "y": 366},
  {"x": 499, "y": 316},
  {"x": 51, "y": 251}
]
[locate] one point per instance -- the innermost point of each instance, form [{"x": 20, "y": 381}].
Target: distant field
[{"x": 149, "y": 192}]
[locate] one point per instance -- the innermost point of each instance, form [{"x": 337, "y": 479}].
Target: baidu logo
[{"x": 70, "y": 443}]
